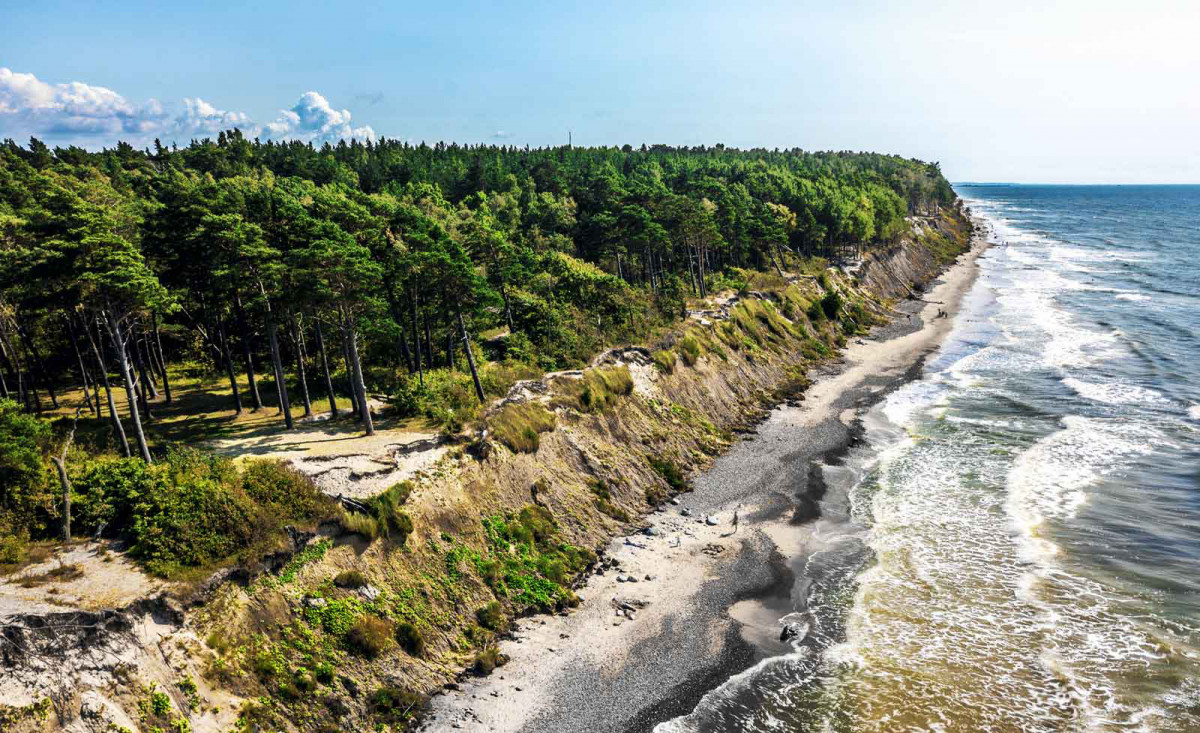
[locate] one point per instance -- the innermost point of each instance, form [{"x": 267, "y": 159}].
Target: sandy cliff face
[{"x": 275, "y": 650}]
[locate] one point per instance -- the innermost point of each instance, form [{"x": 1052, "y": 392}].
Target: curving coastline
[{"x": 708, "y": 599}]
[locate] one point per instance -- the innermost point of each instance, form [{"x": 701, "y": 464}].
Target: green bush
[
  {"x": 488, "y": 660},
  {"x": 669, "y": 472},
  {"x": 25, "y": 478},
  {"x": 394, "y": 704},
  {"x": 664, "y": 360},
  {"x": 831, "y": 304},
  {"x": 193, "y": 508},
  {"x": 323, "y": 672},
  {"x": 409, "y": 637},
  {"x": 291, "y": 494},
  {"x": 390, "y": 519},
  {"x": 491, "y": 616},
  {"x": 370, "y": 636}
]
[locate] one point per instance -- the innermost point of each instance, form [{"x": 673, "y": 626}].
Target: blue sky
[{"x": 1067, "y": 91}]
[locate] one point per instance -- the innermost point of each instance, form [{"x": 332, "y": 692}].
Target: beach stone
[
  {"x": 369, "y": 592},
  {"x": 685, "y": 512},
  {"x": 789, "y": 632},
  {"x": 711, "y": 521},
  {"x": 653, "y": 531}
]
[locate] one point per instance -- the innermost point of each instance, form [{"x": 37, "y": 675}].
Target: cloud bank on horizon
[{"x": 81, "y": 114}]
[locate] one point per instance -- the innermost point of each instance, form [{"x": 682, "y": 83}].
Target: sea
[{"x": 1015, "y": 543}]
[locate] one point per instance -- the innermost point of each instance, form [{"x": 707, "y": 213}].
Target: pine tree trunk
[
  {"x": 244, "y": 337},
  {"x": 137, "y": 336},
  {"x": 280, "y": 386},
  {"x": 398, "y": 318},
  {"x": 97, "y": 350},
  {"x": 333, "y": 412},
  {"x": 416, "y": 333},
  {"x": 65, "y": 480},
  {"x": 227, "y": 352},
  {"x": 462, "y": 329},
  {"x": 118, "y": 336},
  {"x": 354, "y": 405},
  {"x": 10, "y": 359},
  {"x": 359, "y": 388},
  {"x": 94, "y": 407},
  {"x": 31, "y": 389},
  {"x": 300, "y": 366},
  {"x": 162, "y": 358},
  {"x": 43, "y": 372},
  {"x": 428, "y": 336}
]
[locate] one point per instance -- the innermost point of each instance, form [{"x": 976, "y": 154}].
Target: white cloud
[
  {"x": 76, "y": 112},
  {"x": 312, "y": 119},
  {"x": 201, "y": 118},
  {"x": 73, "y": 108}
]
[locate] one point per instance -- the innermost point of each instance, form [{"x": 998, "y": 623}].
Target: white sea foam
[
  {"x": 1116, "y": 392},
  {"x": 1134, "y": 297},
  {"x": 1194, "y": 411}
]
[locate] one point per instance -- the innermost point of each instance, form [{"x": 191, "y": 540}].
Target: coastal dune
[{"x": 698, "y": 594}]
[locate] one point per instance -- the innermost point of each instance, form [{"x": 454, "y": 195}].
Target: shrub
[
  {"x": 194, "y": 514},
  {"x": 669, "y": 472},
  {"x": 831, "y": 304},
  {"x": 193, "y": 508},
  {"x": 323, "y": 672},
  {"x": 350, "y": 579},
  {"x": 394, "y": 704},
  {"x": 488, "y": 660},
  {"x": 409, "y": 637},
  {"x": 24, "y": 475},
  {"x": 106, "y": 493},
  {"x": 491, "y": 616},
  {"x": 370, "y": 636},
  {"x": 664, "y": 360},
  {"x": 518, "y": 425},
  {"x": 604, "y": 502},
  {"x": 390, "y": 520},
  {"x": 291, "y": 494}
]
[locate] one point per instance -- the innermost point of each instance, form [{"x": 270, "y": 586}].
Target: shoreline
[{"x": 707, "y": 600}]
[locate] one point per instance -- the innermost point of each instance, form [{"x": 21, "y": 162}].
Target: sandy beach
[{"x": 679, "y": 607}]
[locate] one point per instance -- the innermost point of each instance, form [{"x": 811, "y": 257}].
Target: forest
[{"x": 425, "y": 277}]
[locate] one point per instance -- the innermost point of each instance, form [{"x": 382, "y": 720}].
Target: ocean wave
[
  {"x": 1116, "y": 393},
  {"x": 1135, "y": 297}
]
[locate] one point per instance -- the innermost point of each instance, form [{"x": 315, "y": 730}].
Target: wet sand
[{"x": 707, "y": 600}]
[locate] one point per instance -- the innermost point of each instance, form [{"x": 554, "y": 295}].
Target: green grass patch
[
  {"x": 527, "y": 563},
  {"x": 604, "y": 503},
  {"x": 664, "y": 361},
  {"x": 598, "y": 389},
  {"x": 518, "y": 425}
]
